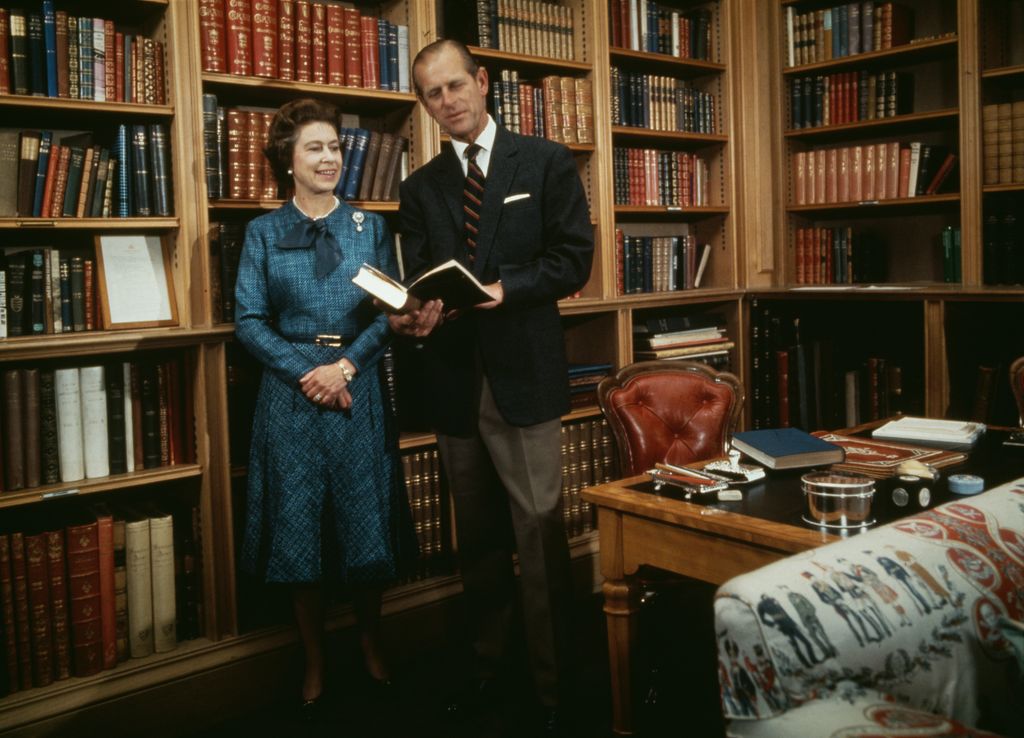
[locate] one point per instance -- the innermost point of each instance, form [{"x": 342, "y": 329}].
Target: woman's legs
[
  {"x": 308, "y": 604},
  {"x": 366, "y": 603}
]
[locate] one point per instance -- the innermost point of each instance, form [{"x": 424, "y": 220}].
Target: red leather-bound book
[
  {"x": 239, "y": 37},
  {"x": 369, "y": 36},
  {"x": 353, "y": 49},
  {"x": 105, "y": 560},
  {"x": 253, "y": 155},
  {"x": 63, "y": 62},
  {"x": 286, "y": 39},
  {"x": 211, "y": 35},
  {"x": 892, "y": 172},
  {"x": 109, "y": 73},
  {"x": 37, "y": 579},
  {"x": 264, "y": 38},
  {"x": 335, "y": 45},
  {"x": 57, "y": 570},
  {"x": 303, "y": 37},
  {"x": 800, "y": 255},
  {"x": 268, "y": 183},
  {"x": 84, "y": 596},
  {"x": 7, "y": 618},
  {"x": 318, "y": 44},
  {"x": 119, "y": 66},
  {"x": 21, "y": 610},
  {"x": 238, "y": 171},
  {"x": 51, "y": 179}
]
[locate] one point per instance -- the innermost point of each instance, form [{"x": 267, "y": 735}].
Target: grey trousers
[{"x": 505, "y": 481}]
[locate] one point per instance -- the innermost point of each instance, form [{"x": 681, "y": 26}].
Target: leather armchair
[
  {"x": 1017, "y": 382},
  {"x": 669, "y": 411}
]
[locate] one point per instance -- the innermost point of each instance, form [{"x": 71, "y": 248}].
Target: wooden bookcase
[{"x": 749, "y": 224}]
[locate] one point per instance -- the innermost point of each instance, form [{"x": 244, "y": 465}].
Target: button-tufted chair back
[
  {"x": 669, "y": 411},
  {"x": 1017, "y": 382}
]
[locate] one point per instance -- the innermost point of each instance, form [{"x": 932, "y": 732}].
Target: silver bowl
[{"x": 838, "y": 499}]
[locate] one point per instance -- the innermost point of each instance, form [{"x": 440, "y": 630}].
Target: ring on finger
[{"x": 317, "y": 397}]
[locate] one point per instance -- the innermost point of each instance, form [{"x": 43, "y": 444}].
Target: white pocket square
[{"x": 520, "y": 196}]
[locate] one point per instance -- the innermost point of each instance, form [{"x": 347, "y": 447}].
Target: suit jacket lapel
[
  {"x": 500, "y": 173},
  {"x": 451, "y": 180}
]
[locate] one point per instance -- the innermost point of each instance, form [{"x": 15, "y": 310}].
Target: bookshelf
[{"x": 940, "y": 333}]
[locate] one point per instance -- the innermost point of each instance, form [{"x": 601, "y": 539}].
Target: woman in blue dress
[{"x": 324, "y": 474}]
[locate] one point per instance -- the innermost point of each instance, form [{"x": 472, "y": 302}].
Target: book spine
[
  {"x": 105, "y": 561},
  {"x": 41, "y": 634},
  {"x": 21, "y": 608},
  {"x": 212, "y": 31},
  {"x": 8, "y": 627},
  {"x": 69, "y": 425},
  {"x": 139, "y": 588},
  {"x": 161, "y": 538},
  {"x": 59, "y": 615},
  {"x": 239, "y": 37},
  {"x": 84, "y": 598}
]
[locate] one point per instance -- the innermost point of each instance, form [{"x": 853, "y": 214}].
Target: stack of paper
[{"x": 955, "y": 434}]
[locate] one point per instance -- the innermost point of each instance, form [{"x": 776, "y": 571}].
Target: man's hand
[
  {"x": 418, "y": 323},
  {"x": 497, "y": 293}
]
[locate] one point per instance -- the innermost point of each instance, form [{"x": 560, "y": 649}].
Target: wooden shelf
[
  {"x": 663, "y": 211},
  {"x": 879, "y": 207},
  {"x": 1012, "y": 187},
  {"x": 646, "y": 134},
  {"x": 565, "y": 66},
  {"x": 277, "y": 91},
  {"x": 383, "y": 206},
  {"x": 912, "y": 53},
  {"x": 79, "y": 107},
  {"x": 90, "y": 224},
  {"x": 895, "y": 291},
  {"x": 925, "y": 121},
  {"x": 1007, "y": 74},
  {"x": 674, "y": 65},
  {"x": 87, "y": 343},
  {"x": 144, "y": 478}
]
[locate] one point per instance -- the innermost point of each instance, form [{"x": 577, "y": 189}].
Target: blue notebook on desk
[{"x": 787, "y": 448}]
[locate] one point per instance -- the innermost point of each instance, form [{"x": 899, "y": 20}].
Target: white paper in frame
[{"x": 135, "y": 283}]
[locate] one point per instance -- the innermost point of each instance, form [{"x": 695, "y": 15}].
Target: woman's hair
[{"x": 284, "y": 132}]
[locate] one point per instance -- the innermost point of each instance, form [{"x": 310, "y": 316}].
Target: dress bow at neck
[{"x": 308, "y": 232}]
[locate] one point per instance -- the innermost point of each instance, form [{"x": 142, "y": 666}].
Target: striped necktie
[{"x": 472, "y": 196}]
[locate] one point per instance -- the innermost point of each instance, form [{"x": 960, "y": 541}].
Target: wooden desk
[
  {"x": 695, "y": 540},
  {"x": 713, "y": 544}
]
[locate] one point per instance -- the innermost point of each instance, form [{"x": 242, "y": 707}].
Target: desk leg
[{"x": 621, "y": 603}]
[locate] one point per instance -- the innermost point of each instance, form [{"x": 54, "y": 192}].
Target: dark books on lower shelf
[
  {"x": 786, "y": 448},
  {"x": 450, "y": 282}
]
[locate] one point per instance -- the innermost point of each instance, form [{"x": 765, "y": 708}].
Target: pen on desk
[{"x": 692, "y": 472}]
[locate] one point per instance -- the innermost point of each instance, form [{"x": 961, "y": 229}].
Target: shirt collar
[{"x": 485, "y": 140}]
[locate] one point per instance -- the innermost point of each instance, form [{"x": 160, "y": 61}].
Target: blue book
[
  {"x": 392, "y": 64},
  {"x": 50, "y": 47},
  {"x": 122, "y": 171},
  {"x": 382, "y": 54},
  {"x": 45, "y": 143},
  {"x": 356, "y": 157},
  {"x": 787, "y": 448}
]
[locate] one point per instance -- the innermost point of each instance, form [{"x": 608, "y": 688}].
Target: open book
[{"x": 450, "y": 282}]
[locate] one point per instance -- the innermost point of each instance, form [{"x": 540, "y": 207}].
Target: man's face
[{"x": 454, "y": 98}]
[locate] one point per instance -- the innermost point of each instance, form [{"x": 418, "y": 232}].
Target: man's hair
[{"x": 436, "y": 47}]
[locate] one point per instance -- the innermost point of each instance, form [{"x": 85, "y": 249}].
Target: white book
[
  {"x": 99, "y": 61},
  {"x": 161, "y": 553},
  {"x": 790, "y": 41},
  {"x": 403, "y": 59},
  {"x": 634, "y": 26},
  {"x": 129, "y": 435},
  {"x": 676, "y": 50},
  {"x": 705, "y": 254},
  {"x": 94, "y": 422},
  {"x": 69, "y": 425},
  {"x": 140, "y": 589},
  {"x": 915, "y": 161}
]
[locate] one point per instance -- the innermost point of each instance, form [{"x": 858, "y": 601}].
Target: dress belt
[{"x": 332, "y": 340}]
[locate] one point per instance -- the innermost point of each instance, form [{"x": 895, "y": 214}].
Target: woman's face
[{"x": 316, "y": 159}]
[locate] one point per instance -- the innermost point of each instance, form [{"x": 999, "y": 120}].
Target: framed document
[{"x": 135, "y": 282}]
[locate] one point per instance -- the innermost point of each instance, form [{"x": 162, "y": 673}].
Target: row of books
[
  {"x": 587, "y": 459},
  {"x": 45, "y": 291},
  {"x": 583, "y": 381},
  {"x": 849, "y": 97},
  {"x": 882, "y": 171},
  {"x": 93, "y": 588},
  {"x": 532, "y": 27},
  {"x": 838, "y": 256},
  {"x": 804, "y": 382},
  {"x": 649, "y": 177},
  {"x": 845, "y": 30},
  {"x": 1002, "y": 145},
  {"x": 236, "y": 168},
  {"x": 61, "y": 174},
  {"x": 644, "y": 25},
  {"x": 48, "y": 53},
  {"x": 73, "y": 423},
  {"x": 557, "y": 108},
  {"x": 431, "y": 516},
  {"x": 1003, "y": 244},
  {"x": 226, "y": 241},
  {"x": 703, "y": 340},
  {"x": 660, "y": 103},
  {"x": 319, "y": 42},
  {"x": 952, "y": 256},
  {"x": 659, "y": 263}
]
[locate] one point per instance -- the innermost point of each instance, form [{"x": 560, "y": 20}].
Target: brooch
[{"x": 358, "y": 218}]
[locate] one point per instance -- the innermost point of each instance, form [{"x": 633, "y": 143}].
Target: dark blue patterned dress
[{"x": 313, "y": 469}]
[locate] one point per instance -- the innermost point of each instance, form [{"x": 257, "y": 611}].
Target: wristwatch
[{"x": 349, "y": 376}]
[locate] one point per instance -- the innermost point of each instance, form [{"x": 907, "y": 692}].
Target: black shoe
[
  {"x": 312, "y": 711},
  {"x": 552, "y": 723},
  {"x": 476, "y": 697}
]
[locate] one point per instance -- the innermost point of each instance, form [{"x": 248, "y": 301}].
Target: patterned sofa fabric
[{"x": 921, "y": 614}]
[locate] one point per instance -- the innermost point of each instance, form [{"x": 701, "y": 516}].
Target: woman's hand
[{"x": 326, "y": 386}]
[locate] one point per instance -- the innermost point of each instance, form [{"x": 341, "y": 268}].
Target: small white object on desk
[{"x": 730, "y": 495}]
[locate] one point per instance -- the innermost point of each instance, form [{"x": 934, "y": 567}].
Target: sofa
[{"x": 911, "y": 629}]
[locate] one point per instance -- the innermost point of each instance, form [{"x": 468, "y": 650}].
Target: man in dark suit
[{"x": 513, "y": 210}]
